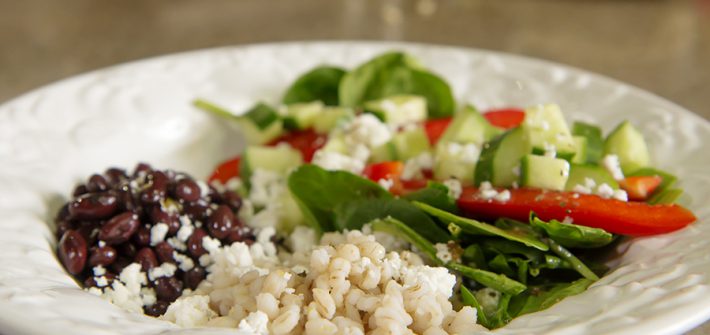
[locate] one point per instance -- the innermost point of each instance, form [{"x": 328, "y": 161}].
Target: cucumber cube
[
  {"x": 544, "y": 172},
  {"x": 547, "y": 129},
  {"x": 628, "y": 144},
  {"x": 399, "y": 109}
]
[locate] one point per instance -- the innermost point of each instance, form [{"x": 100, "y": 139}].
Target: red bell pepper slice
[
  {"x": 306, "y": 141},
  {"x": 639, "y": 188},
  {"x": 434, "y": 128},
  {"x": 226, "y": 171},
  {"x": 619, "y": 217},
  {"x": 505, "y": 118},
  {"x": 384, "y": 170}
]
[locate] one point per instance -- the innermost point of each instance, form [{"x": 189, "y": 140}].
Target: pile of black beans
[{"x": 108, "y": 223}]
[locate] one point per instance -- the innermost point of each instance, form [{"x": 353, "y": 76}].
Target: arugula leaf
[
  {"x": 436, "y": 195},
  {"x": 399, "y": 229},
  {"x": 481, "y": 228},
  {"x": 571, "y": 235},
  {"x": 498, "y": 282},
  {"x": 354, "y": 214},
  {"x": 318, "y": 191},
  {"x": 539, "y": 298},
  {"x": 396, "y": 73},
  {"x": 320, "y": 83}
]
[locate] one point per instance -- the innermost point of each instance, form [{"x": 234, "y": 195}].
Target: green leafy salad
[{"x": 521, "y": 206}]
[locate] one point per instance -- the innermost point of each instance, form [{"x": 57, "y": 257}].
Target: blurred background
[{"x": 660, "y": 45}]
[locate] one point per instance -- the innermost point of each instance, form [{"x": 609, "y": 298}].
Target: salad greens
[
  {"x": 514, "y": 264},
  {"x": 392, "y": 74}
]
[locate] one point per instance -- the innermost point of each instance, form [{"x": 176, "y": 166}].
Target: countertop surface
[{"x": 662, "y": 46}]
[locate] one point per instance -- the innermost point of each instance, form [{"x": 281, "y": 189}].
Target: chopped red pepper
[
  {"x": 505, "y": 118},
  {"x": 226, "y": 171},
  {"x": 619, "y": 217},
  {"x": 306, "y": 141},
  {"x": 384, "y": 170},
  {"x": 639, "y": 188},
  {"x": 435, "y": 128}
]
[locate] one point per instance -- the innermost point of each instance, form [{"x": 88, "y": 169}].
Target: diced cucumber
[
  {"x": 578, "y": 173},
  {"x": 335, "y": 143},
  {"x": 455, "y": 160},
  {"x": 300, "y": 116},
  {"x": 259, "y": 125},
  {"x": 469, "y": 126},
  {"x": 278, "y": 159},
  {"x": 628, "y": 144},
  {"x": 399, "y": 109},
  {"x": 410, "y": 143},
  {"x": 595, "y": 141},
  {"x": 544, "y": 172},
  {"x": 331, "y": 118},
  {"x": 664, "y": 193},
  {"x": 289, "y": 213},
  {"x": 384, "y": 153},
  {"x": 500, "y": 158},
  {"x": 580, "y": 144},
  {"x": 547, "y": 130}
]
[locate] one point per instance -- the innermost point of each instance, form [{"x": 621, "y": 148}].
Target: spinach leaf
[
  {"x": 318, "y": 191},
  {"x": 539, "y": 298},
  {"x": 498, "y": 282},
  {"x": 436, "y": 195},
  {"x": 396, "y": 73},
  {"x": 399, "y": 229},
  {"x": 353, "y": 214},
  {"x": 320, "y": 83},
  {"x": 473, "y": 256},
  {"x": 571, "y": 235},
  {"x": 481, "y": 228}
]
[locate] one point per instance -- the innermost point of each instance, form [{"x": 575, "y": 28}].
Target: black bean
[
  {"x": 97, "y": 183},
  {"x": 194, "y": 277},
  {"x": 127, "y": 249},
  {"x": 72, "y": 251},
  {"x": 89, "y": 230},
  {"x": 93, "y": 206},
  {"x": 187, "y": 190},
  {"x": 63, "y": 226},
  {"x": 168, "y": 288},
  {"x": 214, "y": 195},
  {"x": 157, "y": 215},
  {"x": 157, "y": 189},
  {"x": 237, "y": 235},
  {"x": 115, "y": 175},
  {"x": 102, "y": 255},
  {"x": 91, "y": 281},
  {"x": 120, "y": 263},
  {"x": 79, "y": 190},
  {"x": 146, "y": 258},
  {"x": 142, "y": 236},
  {"x": 233, "y": 200},
  {"x": 165, "y": 252},
  {"x": 142, "y": 168},
  {"x": 194, "y": 243},
  {"x": 221, "y": 222},
  {"x": 120, "y": 228},
  {"x": 196, "y": 211},
  {"x": 157, "y": 309}
]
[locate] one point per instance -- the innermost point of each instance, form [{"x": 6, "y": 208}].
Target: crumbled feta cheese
[
  {"x": 255, "y": 323},
  {"x": 581, "y": 189},
  {"x": 101, "y": 281},
  {"x": 266, "y": 187},
  {"x": 184, "y": 232},
  {"x": 502, "y": 196},
  {"x": 486, "y": 191},
  {"x": 205, "y": 260},
  {"x": 211, "y": 244},
  {"x": 613, "y": 166},
  {"x": 367, "y": 129},
  {"x": 360, "y": 153},
  {"x": 99, "y": 270},
  {"x": 413, "y": 167},
  {"x": 177, "y": 244},
  {"x": 336, "y": 161},
  {"x": 164, "y": 270},
  {"x": 102, "y": 244},
  {"x": 568, "y": 220},
  {"x": 204, "y": 188},
  {"x": 185, "y": 263},
  {"x": 605, "y": 191},
  {"x": 158, "y": 232},
  {"x": 550, "y": 150},
  {"x": 454, "y": 186},
  {"x": 302, "y": 239},
  {"x": 468, "y": 153},
  {"x": 442, "y": 252},
  {"x": 386, "y": 183},
  {"x": 620, "y": 195},
  {"x": 263, "y": 237},
  {"x": 148, "y": 295},
  {"x": 589, "y": 183}
]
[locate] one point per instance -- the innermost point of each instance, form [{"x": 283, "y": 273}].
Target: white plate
[{"x": 53, "y": 137}]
